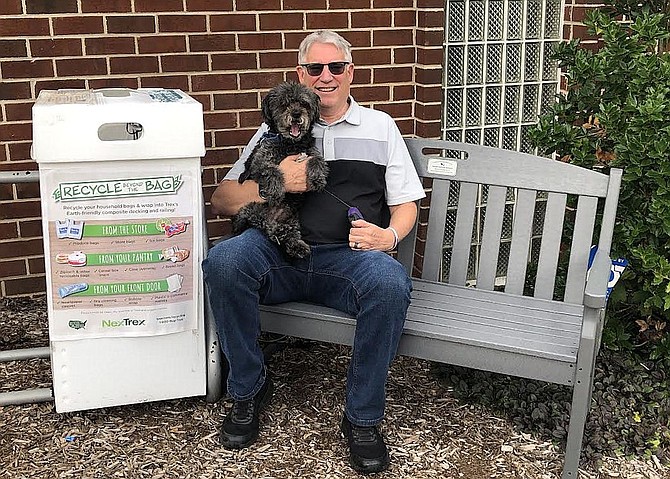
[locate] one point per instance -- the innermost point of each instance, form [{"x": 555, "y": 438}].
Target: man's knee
[{"x": 232, "y": 254}]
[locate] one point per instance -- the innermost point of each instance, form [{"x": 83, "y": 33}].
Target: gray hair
[{"x": 324, "y": 36}]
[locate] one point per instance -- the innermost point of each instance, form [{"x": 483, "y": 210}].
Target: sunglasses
[{"x": 315, "y": 69}]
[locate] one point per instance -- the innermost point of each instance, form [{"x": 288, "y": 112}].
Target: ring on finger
[{"x": 356, "y": 245}]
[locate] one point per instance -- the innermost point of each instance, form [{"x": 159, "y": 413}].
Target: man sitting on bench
[{"x": 348, "y": 268}]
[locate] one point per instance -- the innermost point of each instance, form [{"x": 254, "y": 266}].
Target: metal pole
[
  {"x": 22, "y": 354},
  {"x": 26, "y": 396}
]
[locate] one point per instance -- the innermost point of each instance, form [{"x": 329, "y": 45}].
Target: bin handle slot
[{"x": 120, "y": 131}]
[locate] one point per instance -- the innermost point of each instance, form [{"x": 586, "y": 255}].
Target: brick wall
[{"x": 226, "y": 54}]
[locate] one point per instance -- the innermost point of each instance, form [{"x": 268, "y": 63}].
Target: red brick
[
  {"x": 421, "y": 3},
  {"x": 30, "y": 229},
  {"x": 259, "y": 5},
  {"x": 286, "y": 60},
  {"x": 303, "y": 5},
  {"x": 162, "y": 44},
  {"x": 214, "y": 82},
  {"x": 12, "y": 268},
  {"x": 159, "y": 6},
  {"x": 182, "y": 23},
  {"x": 398, "y": 36},
  {"x": 20, "y": 166},
  {"x": 165, "y": 81},
  {"x": 235, "y": 101},
  {"x": 27, "y": 69},
  {"x": 428, "y": 112},
  {"x": 8, "y": 231},
  {"x": 259, "y": 80},
  {"x": 20, "y": 152},
  {"x": 13, "y": 48},
  {"x": 6, "y": 192},
  {"x": 15, "y": 131},
  {"x": 404, "y": 18},
  {"x": 219, "y": 120},
  {"x": 431, "y": 19},
  {"x": 371, "y": 93},
  {"x": 185, "y": 63},
  {"x": 237, "y": 137},
  {"x": 108, "y": 6},
  {"x": 11, "y": 7},
  {"x": 14, "y": 90},
  {"x": 234, "y": 61},
  {"x": 372, "y": 56},
  {"x": 332, "y": 20},
  {"x": 125, "y": 82},
  {"x": 36, "y": 265},
  {"x": 394, "y": 3},
  {"x": 51, "y": 6},
  {"x": 358, "y": 38},
  {"x": 131, "y": 24},
  {"x": 56, "y": 84},
  {"x": 209, "y": 5},
  {"x": 77, "y": 25},
  {"x": 428, "y": 76},
  {"x": 433, "y": 38},
  {"x": 24, "y": 27},
  {"x": 56, "y": 47},
  {"x": 370, "y": 18},
  {"x": 404, "y": 55},
  {"x": 348, "y": 4},
  {"x": 18, "y": 210},
  {"x": 393, "y": 75},
  {"x": 429, "y": 56},
  {"x": 281, "y": 21},
  {"x": 28, "y": 285},
  {"x": 25, "y": 191},
  {"x": 81, "y": 67},
  {"x": 250, "y": 119},
  {"x": 396, "y": 109},
  {"x": 109, "y": 45},
  {"x": 428, "y": 94},
  {"x": 134, "y": 64},
  {"x": 233, "y": 23},
  {"x": 260, "y": 41},
  {"x": 211, "y": 43},
  {"x": 18, "y": 111}
]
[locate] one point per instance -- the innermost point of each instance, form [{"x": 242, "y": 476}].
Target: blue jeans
[{"x": 248, "y": 269}]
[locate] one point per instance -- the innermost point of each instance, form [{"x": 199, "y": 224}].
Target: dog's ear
[{"x": 266, "y": 109}]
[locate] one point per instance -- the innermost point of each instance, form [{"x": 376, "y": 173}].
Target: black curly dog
[{"x": 290, "y": 110}]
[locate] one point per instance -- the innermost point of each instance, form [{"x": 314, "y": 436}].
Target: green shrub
[{"x": 616, "y": 113}]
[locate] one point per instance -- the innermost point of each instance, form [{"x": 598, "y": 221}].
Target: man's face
[{"x": 332, "y": 89}]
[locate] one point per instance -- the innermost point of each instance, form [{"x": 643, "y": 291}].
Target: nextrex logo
[{"x": 122, "y": 323}]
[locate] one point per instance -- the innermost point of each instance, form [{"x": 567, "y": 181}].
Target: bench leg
[{"x": 581, "y": 397}]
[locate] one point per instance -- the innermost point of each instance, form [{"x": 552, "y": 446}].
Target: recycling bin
[{"x": 122, "y": 218}]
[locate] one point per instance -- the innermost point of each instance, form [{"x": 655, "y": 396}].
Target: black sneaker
[
  {"x": 367, "y": 450},
  {"x": 240, "y": 427}
]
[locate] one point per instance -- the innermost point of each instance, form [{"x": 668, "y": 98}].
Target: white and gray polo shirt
[{"x": 370, "y": 168}]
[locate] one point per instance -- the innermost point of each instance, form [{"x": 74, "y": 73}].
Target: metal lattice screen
[{"x": 498, "y": 77}]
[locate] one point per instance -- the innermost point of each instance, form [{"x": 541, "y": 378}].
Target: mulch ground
[{"x": 430, "y": 433}]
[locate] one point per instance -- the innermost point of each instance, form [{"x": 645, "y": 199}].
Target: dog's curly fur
[{"x": 290, "y": 111}]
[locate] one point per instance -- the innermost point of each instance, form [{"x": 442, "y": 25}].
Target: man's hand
[
  {"x": 367, "y": 236},
  {"x": 294, "y": 170}
]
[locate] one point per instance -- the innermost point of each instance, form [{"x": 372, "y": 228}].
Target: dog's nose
[{"x": 296, "y": 114}]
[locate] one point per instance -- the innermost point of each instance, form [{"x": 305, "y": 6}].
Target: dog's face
[{"x": 290, "y": 109}]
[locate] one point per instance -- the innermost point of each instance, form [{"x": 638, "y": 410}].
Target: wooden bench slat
[
  {"x": 579, "y": 249},
  {"x": 521, "y": 232},
  {"x": 490, "y": 246},
  {"x": 550, "y": 247},
  {"x": 460, "y": 251}
]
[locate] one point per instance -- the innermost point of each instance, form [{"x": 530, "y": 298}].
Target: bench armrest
[{"x": 595, "y": 295}]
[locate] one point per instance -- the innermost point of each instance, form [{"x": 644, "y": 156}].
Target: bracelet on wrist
[{"x": 395, "y": 238}]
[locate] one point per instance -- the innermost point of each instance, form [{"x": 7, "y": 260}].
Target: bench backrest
[{"x": 475, "y": 188}]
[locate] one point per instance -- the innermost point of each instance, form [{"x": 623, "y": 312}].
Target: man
[{"x": 348, "y": 268}]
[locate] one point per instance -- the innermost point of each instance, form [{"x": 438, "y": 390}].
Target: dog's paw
[
  {"x": 317, "y": 174},
  {"x": 298, "y": 249}
]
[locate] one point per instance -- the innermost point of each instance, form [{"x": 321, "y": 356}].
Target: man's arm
[{"x": 230, "y": 195}]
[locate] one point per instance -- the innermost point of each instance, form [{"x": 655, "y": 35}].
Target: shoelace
[
  {"x": 243, "y": 412},
  {"x": 363, "y": 434}
]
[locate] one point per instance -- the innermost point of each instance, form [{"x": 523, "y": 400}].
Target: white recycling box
[{"x": 122, "y": 221}]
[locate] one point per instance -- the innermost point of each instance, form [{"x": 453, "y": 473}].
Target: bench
[{"x": 497, "y": 211}]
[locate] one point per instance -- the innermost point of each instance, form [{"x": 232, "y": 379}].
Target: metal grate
[{"x": 498, "y": 79}]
